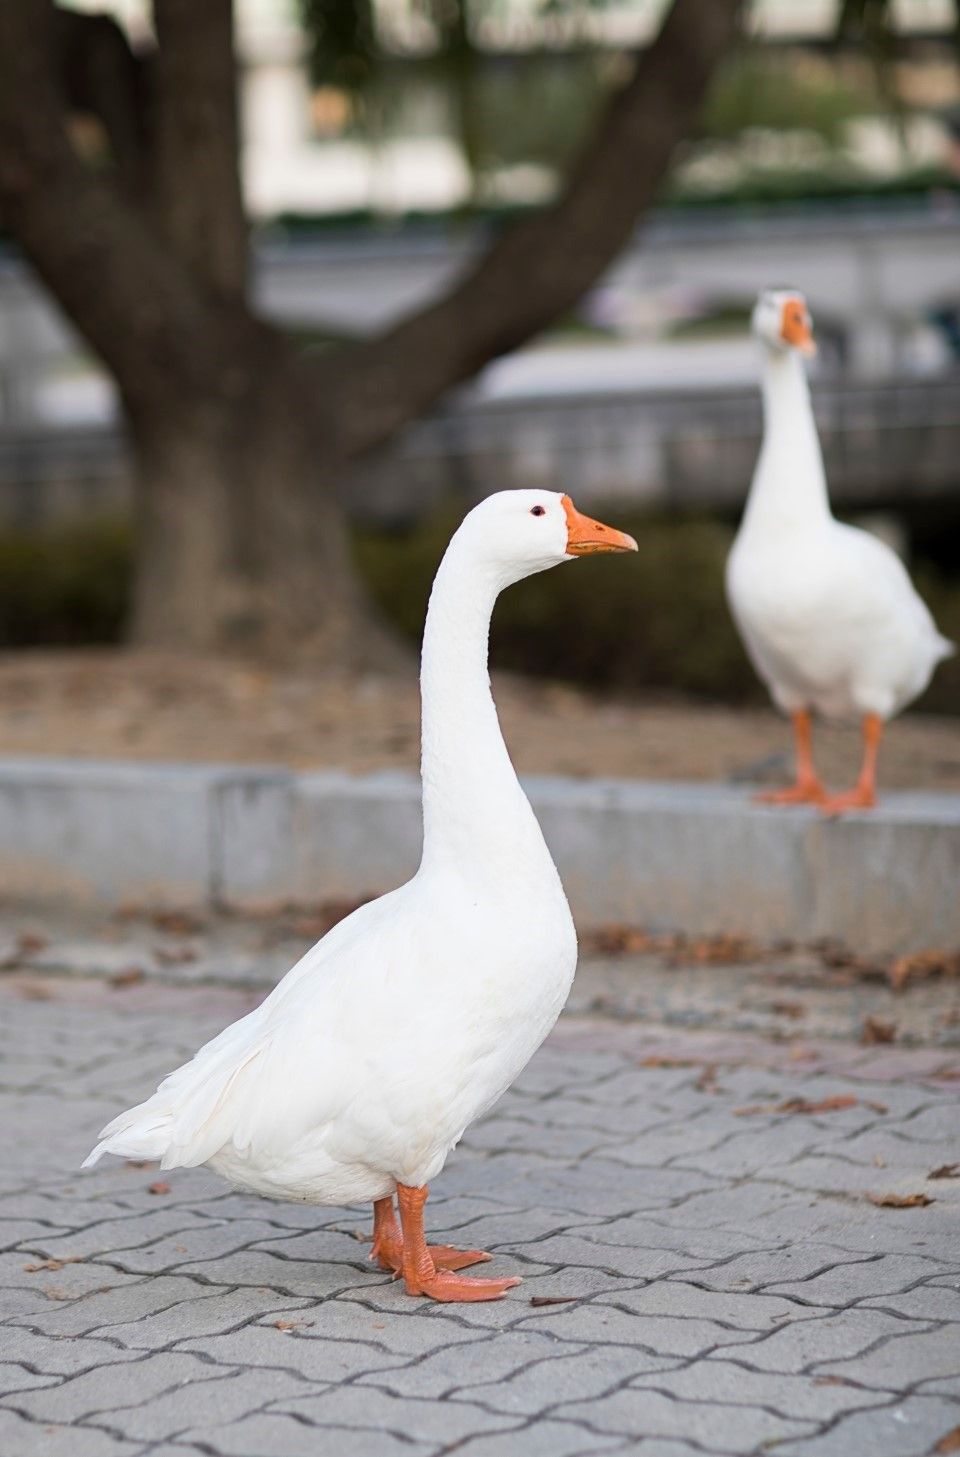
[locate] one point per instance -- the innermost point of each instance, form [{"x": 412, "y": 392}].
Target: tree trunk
[{"x": 239, "y": 551}]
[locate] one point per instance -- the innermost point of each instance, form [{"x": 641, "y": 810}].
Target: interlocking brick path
[{"x": 725, "y": 1284}]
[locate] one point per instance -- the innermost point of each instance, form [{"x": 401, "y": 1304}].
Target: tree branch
[
  {"x": 101, "y": 75},
  {"x": 198, "y": 170},
  {"x": 135, "y": 304},
  {"x": 542, "y": 266}
]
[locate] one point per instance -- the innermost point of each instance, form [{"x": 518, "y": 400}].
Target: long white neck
[
  {"x": 474, "y": 811},
  {"x": 789, "y": 489}
]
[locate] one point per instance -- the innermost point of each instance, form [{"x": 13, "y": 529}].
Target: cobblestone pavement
[
  {"x": 787, "y": 993},
  {"x": 704, "y": 1268}
]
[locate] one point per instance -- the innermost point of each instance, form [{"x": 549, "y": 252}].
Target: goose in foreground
[
  {"x": 361, "y": 1070},
  {"x": 827, "y": 613}
]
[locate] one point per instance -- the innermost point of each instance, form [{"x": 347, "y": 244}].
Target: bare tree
[{"x": 239, "y": 438}]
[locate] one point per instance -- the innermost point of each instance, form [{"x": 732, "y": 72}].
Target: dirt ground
[{"x": 112, "y": 704}]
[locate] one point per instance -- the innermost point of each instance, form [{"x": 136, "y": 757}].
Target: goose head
[
  {"x": 513, "y": 534},
  {"x": 782, "y": 321}
]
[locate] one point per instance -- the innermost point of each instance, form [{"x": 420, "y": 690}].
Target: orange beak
[
  {"x": 585, "y": 536},
  {"x": 796, "y": 328}
]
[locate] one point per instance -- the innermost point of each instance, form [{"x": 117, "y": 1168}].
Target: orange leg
[
  {"x": 421, "y": 1275},
  {"x": 808, "y": 788},
  {"x": 864, "y": 793},
  {"x": 388, "y": 1244}
]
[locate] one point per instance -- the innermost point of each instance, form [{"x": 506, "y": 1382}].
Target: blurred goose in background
[
  {"x": 827, "y": 612},
  {"x": 361, "y": 1070}
]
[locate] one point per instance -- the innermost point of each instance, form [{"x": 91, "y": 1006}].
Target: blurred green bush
[
  {"x": 657, "y": 621},
  {"x": 65, "y": 585}
]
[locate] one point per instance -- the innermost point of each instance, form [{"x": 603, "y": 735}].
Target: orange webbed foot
[
  {"x": 387, "y": 1248},
  {"x": 444, "y": 1285},
  {"x": 862, "y": 797},
  {"x": 389, "y": 1256},
  {"x": 429, "y": 1269},
  {"x": 448, "y": 1257},
  {"x": 805, "y": 791}
]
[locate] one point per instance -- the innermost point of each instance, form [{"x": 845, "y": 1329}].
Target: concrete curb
[{"x": 697, "y": 856}]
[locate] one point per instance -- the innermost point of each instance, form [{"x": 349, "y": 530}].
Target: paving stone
[
  {"x": 571, "y": 1373},
  {"x": 314, "y": 1279},
  {"x": 450, "y": 1421},
  {"x": 109, "y": 1386},
  {"x": 470, "y": 1368},
  {"x": 301, "y": 1351},
  {"x": 801, "y": 1397},
  {"x": 15, "y": 1379},
  {"x": 907, "y": 1428},
  {"x": 22, "y": 1438},
  {"x": 57, "y": 1356},
  {"x": 266, "y": 1435},
  {"x": 716, "y": 1302},
  {"x": 688, "y": 1301},
  {"x": 637, "y": 1413},
  {"x": 15, "y": 1232},
  {"x": 540, "y": 1439},
  {"x": 827, "y": 1341},
  {"x": 924, "y": 1302},
  {"x": 126, "y": 1300},
  {"x": 655, "y": 1335},
  {"x": 686, "y": 1241},
  {"x": 201, "y": 1406},
  {"x": 867, "y": 1279},
  {"x": 204, "y": 1312},
  {"x": 909, "y": 1357},
  {"x": 152, "y": 1242}
]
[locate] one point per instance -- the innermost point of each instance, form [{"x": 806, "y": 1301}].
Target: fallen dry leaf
[
  {"x": 794, "y": 1010},
  {"x": 874, "y": 1030},
  {"x": 615, "y": 940},
  {"x": 678, "y": 950},
  {"x": 174, "y": 955},
  {"x": 29, "y": 942},
  {"x": 945, "y": 1171},
  {"x": 842, "y": 958},
  {"x": 900, "y": 1201},
  {"x": 52, "y": 1264},
  {"x": 177, "y": 923},
  {"x": 538, "y": 1300},
  {"x": 949, "y": 1442},
  {"x": 128, "y": 977},
  {"x": 800, "y": 1105},
  {"x": 292, "y": 1325},
  {"x": 920, "y": 965},
  {"x": 715, "y": 951},
  {"x": 160, "y": 1187},
  {"x": 875, "y": 1107}
]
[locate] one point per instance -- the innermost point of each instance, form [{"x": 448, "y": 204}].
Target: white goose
[
  {"x": 360, "y": 1071},
  {"x": 827, "y": 613}
]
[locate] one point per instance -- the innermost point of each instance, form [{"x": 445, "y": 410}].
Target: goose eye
[{"x": 538, "y": 511}]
